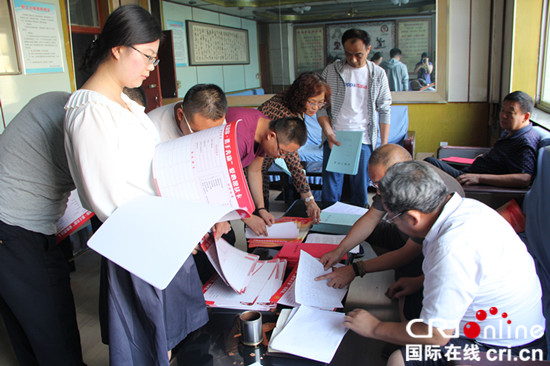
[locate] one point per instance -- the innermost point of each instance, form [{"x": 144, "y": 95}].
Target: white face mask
[{"x": 186, "y": 121}]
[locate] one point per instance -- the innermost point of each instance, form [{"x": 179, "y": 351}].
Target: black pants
[
  {"x": 36, "y": 300},
  {"x": 447, "y": 168}
]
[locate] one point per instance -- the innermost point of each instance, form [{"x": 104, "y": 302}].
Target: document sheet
[
  {"x": 315, "y": 293},
  {"x": 282, "y": 230},
  {"x": 204, "y": 167},
  {"x": 344, "y": 208},
  {"x": 74, "y": 217},
  {"x": 329, "y": 239},
  {"x": 311, "y": 333},
  {"x": 153, "y": 236},
  {"x": 303, "y": 224}
]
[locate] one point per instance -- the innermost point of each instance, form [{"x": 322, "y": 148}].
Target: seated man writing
[
  {"x": 405, "y": 255},
  {"x": 512, "y": 161},
  {"x": 480, "y": 282},
  {"x": 257, "y": 137}
]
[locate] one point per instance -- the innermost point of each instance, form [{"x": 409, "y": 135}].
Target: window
[{"x": 85, "y": 18}]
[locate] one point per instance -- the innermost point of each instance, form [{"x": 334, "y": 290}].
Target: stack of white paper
[
  {"x": 329, "y": 239},
  {"x": 265, "y": 279},
  {"x": 339, "y": 218},
  {"x": 344, "y": 208},
  {"x": 280, "y": 230},
  {"x": 233, "y": 265},
  {"x": 311, "y": 333}
]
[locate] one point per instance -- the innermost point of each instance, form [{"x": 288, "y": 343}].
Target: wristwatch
[{"x": 308, "y": 199}]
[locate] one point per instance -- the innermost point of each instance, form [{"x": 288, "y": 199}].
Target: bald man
[{"x": 379, "y": 230}]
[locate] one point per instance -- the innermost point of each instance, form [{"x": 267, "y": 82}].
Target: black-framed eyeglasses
[
  {"x": 282, "y": 153},
  {"x": 151, "y": 60},
  {"x": 389, "y": 220}
]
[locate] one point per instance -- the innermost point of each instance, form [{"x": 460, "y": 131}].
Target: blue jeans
[{"x": 333, "y": 183}]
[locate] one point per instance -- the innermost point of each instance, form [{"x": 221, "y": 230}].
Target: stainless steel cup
[{"x": 251, "y": 328}]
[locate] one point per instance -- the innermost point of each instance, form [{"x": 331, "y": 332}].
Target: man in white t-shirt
[
  {"x": 479, "y": 278},
  {"x": 360, "y": 101}
]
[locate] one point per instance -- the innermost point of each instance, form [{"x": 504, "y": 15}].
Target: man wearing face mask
[{"x": 204, "y": 106}]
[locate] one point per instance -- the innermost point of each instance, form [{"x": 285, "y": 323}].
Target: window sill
[{"x": 541, "y": 118}]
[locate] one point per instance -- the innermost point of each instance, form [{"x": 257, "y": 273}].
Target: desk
[{"x": 215, "y": 345}]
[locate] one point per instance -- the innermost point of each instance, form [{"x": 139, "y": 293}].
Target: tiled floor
[{"x": 367, "y": 293}]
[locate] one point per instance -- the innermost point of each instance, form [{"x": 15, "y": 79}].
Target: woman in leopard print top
[{"x": 306, "y": 95}]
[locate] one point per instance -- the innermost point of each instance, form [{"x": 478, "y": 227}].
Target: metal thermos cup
[{"x": 251, "y": 328}]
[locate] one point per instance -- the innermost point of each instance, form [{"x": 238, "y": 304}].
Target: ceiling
[{"x": 294, "y": 11}]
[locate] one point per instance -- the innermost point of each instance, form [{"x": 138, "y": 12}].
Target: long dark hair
[
  {"x": 126, "y": 26},
  {"x": 307, "y": 85}
]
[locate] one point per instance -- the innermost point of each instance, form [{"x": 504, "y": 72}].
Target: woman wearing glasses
[
  {"x": 110, "y": 142},
  {"x": 309, "y": 93}
]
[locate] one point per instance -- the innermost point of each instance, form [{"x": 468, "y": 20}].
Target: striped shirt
[{"x": 379, "y": 96}]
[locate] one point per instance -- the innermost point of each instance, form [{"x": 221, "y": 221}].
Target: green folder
[
  {"x": 335, "y": 223},
  {"x": 345, "y": 158}
]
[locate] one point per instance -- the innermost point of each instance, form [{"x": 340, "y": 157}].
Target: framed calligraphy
[{"x": 211, "y": 44}]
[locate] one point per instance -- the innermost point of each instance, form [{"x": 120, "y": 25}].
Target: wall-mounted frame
[
  {"x": 413, "y": 38},
  {"x": 9, "y": 54},
  {"x": 309, "y": 48},
  {"x": 382, "y": 34},
  {"x": 211, "y": 44}
]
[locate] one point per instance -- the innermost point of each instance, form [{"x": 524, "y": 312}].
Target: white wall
[
  {"x": 230, "y": 77},
  {"x": 17, "y": 90},
  {"x": 469, "y": 50},
  {"x": 281, "y": 53}
]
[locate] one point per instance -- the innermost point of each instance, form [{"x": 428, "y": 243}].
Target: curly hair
[{"x": 307, "y": 85}]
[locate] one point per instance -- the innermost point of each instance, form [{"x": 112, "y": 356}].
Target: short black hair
[
  {"x": 289, "y": 130},
  {"x": 376, "y": 56},
  {"x": 137, "y": 95},
  {"x": 358, "y": 34},
  {"x": 524, "y": 100},
  {"x": 395, "y": 52},
  {"x": 208, "y": 100}
]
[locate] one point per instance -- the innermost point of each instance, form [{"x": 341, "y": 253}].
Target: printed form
[
  {"x": 315, "y": 293},
  {"x": 311, "y": 333},
  {"x": 204, "y": 167}
]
